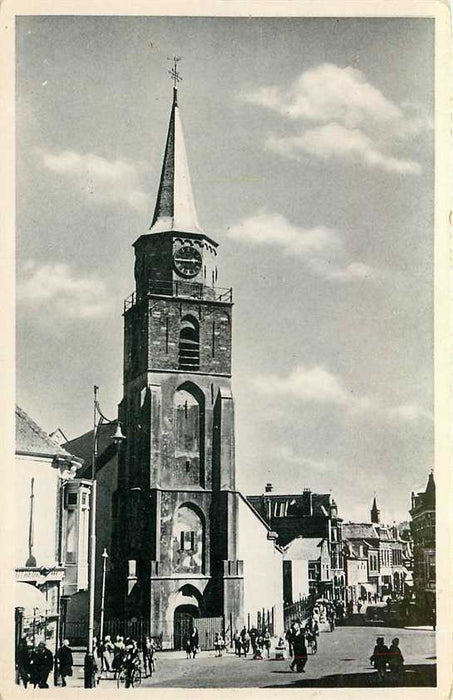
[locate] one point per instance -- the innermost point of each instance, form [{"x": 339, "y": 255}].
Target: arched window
[
  {"x": 189, "y": 344},
  {"x": 188, "y": 436},
  {"x": 188, "y": 541}
]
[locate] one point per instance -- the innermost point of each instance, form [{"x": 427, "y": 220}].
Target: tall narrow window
[{"x": 189, "y": 344}]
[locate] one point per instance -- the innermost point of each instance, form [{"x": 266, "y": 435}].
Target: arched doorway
[
  {"x": 186, "y": 607},
  {"x": 182, "y": 623}
]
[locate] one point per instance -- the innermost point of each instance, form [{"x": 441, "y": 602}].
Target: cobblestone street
[{"x": 342, "y": 659}]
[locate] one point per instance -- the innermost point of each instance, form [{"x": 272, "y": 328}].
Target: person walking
[
  {"x": 107, "y": 654},
  {"x": 396, "y": 660},
  {"x": 299, "y": 648},
  {"x": 379, "y": 657},
  {"x": 253, "y": 636},
  {"x": 148, "y": 649},
  {"x": 131, "y": 660},
  {"x": 288, "y": 637},
  {"x": 245, "y": 640},
  {"x": 237, "y": 643},
  {"x": 23, "y": 662},
  {"x": 43, "y": 664},
  {"x": 118, "y": 652},
  {"x": 331, "y": 617},
  {"x": 194, "y": 641},
  {"x": 218, "y": 644},
  {"x": 65, "y": 661},
  {"x": 267, "y": 642}
]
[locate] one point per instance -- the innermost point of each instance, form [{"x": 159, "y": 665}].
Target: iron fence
[{"x": 298, "y": 610}]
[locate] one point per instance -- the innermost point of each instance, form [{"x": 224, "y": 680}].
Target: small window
[
  {"x": 84, "y": 499},
  {"x": 187, "y": 541},
  {"x": 71, "y": 499}
]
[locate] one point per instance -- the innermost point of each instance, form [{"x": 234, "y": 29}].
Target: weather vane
[{"x": 174, "y": 71}]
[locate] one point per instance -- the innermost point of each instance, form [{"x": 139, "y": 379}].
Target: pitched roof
[
  {"x": 360, "y": 531},
  {"x": 305, "y": 548},
  {"x": 175, "y": 204},
  {"x": 82, "y": 446},
  {"x": 31, "y": 439}
]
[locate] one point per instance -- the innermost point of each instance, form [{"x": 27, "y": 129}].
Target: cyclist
[{"x": 131, "y": 660}]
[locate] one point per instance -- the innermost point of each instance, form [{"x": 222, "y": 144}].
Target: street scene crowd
[{"x": 127, "y": 661}]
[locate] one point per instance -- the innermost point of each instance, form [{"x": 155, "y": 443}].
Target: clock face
[{"x": 187, "y": 261}]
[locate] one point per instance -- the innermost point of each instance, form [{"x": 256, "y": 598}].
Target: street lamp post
[
  {"x": 98, "y": 420},
  {"x": 105, "y": 556}
]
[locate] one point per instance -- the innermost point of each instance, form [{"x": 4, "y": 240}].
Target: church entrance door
[{"x": 182, "y": 622}]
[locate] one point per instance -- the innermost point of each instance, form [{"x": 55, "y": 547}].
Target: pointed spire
[
  {"x": 430, "y": 491},
  {"x": 175, "y": 205},
  {"x": 374, "y": 512}
]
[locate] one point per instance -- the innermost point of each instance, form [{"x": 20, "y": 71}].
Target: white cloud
[
  {"x": 317, "y": 385},
  {"x": 306, "y": 384},
  {"x": 329, "y": 92},
  {"x": 271, "y": 228},
  {"x": 320, "y": 247},
  {"x": 56, "y": 286},
  {"x": 100, "y": 179},
  {"x": 354, "y": 120},
  {"x": 335, "y": 141}
]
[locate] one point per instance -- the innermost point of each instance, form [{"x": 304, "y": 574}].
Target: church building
[{"x": 185, "y": 543}]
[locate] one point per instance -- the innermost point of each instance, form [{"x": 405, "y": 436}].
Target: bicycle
[{"x": 129, "y": 678}]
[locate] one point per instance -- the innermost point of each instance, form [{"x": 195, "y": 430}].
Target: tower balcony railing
[{"x": 181, "y": 288}]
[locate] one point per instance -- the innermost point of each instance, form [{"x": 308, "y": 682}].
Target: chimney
[
  {"x": 307, "y": 502},
  {"x": 268, "y": 488}
]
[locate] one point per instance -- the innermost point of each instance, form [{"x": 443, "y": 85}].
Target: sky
[{"x": 310, "y": 146}]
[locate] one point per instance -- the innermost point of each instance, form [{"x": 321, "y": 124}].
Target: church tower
[{"x": 176, "y": 506}]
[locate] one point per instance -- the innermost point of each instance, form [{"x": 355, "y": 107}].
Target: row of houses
[{"x": 327, "y": 557}]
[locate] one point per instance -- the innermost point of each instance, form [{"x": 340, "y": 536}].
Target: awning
[
  {"x": 29, "y": 597},
  {"x": 369, "y": 587}
]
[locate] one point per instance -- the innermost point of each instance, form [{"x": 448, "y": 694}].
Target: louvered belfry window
[{"x": 189, "y": 344}]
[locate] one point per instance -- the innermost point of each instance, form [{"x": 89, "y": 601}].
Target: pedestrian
[
  {"x": 188, "y": 648},
  {"x": 148, "y": 649},
  {"x": 299, "y": 648},
  {"x": 43, "y": 664},
  {"x": 218, "y": 644},
  {"x": 288, "y": 637},
  {"x": 267, "y": 641},
  {"x": 359, "y": 605},
  {"x": 194, "y": 642},
  {"x": 237, "y": 643},
  {"x": 107, "y": 654},
  {"x": 396, "y": 660},
  {"x": 118, "y": 652},
  {"x": 245, "y": 640},
  {"x": 331, "y": 617},
  {"x": 316, "y": 613},
  {"x": 379, "y": 657},
  {"x": 23, "y": 662},
  {"x": 65, "y": 661},
  {"x": 131, "y": 660},
  {"x": 253, "y": 636}
]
